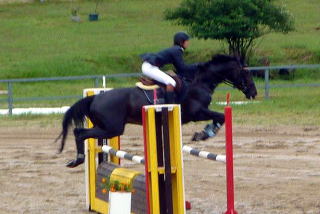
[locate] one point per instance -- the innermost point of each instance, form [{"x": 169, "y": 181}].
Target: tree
[{"x": 238, "y": 22}]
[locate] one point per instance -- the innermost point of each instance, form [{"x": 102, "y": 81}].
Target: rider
[{"x": 152, "y": 62}]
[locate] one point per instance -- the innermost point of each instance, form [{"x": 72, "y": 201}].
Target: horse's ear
[{"x": 242, "y": 61}]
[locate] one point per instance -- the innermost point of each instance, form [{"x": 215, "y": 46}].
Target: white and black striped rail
[
  {"x": 204, "y": 154},
  {"x": 186, "y": 149},
  {"x": 122, "y": 154}
]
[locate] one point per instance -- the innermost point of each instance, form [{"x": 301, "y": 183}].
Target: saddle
[{"x": 146, "y": 83}]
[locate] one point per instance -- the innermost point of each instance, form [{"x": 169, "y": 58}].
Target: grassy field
[
  {"x": 286, "y": 106},
  {"x": 47, "y": 43},
  {"x": 39, "y": 40}
]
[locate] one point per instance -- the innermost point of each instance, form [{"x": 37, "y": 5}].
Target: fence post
[
  {"x": 96, "y": 82},
  {"x": 266, "y": 84},
  {"x": 10, "y": 98},
  {"x": 103, "y": 81}
]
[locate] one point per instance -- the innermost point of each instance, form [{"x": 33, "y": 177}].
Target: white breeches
[{"x": 155, "y": 73}]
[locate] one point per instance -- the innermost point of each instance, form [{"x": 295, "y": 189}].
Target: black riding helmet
[{"x": 180, "y": 37}]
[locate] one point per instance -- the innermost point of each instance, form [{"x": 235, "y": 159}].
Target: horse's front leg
[{"x": 211, "y": 129}]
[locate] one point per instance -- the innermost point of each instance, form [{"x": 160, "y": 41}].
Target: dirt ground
[{"x": 277, "y": 170}]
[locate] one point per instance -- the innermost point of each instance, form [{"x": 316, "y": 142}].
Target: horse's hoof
[
  {"x": 75, "y": 163},
  {"x": 198, "y": 136}
]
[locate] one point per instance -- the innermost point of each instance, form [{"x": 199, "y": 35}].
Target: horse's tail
[{"x": 76, "y": 114}]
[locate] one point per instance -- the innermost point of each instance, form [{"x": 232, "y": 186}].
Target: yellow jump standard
[{"x": 164, "y": 169}]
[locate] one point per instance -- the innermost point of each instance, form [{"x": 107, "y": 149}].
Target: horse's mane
[
  {"x": 219, "y": 62},
  {"x": 222, "y": 58}
]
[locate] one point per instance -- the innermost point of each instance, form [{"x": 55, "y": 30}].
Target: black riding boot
[{"x": 170, "y": 97}]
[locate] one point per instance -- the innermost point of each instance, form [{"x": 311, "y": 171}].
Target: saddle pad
[{"x": 146, "y": 87}]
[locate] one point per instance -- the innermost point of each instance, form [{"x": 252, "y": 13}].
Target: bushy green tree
[{"x": 238, "y": 22}]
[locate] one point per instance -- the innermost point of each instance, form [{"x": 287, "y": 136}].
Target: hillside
[{"x": 39, "y": 40}]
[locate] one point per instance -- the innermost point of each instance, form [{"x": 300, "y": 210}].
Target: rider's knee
[{"x": 170, "y": 87}]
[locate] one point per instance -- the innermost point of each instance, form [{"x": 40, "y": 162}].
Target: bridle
[{"x": 241, "y": 85}]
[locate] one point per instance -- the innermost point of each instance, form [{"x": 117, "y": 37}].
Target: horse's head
[{"x": 231, "y": 70}]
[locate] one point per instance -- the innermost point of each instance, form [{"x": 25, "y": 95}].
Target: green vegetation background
[{"x": 40, "y": 40}]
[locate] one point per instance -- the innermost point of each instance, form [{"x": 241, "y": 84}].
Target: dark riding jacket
[{"x": 172, "y": 55}]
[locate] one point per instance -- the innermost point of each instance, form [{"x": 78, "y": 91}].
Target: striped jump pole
[
  {"x": 229, "y": 154},
  {"x": 123, "y": 155},
  {"x": 140, "y": 160},
  {"x": 204, "y": 154}
]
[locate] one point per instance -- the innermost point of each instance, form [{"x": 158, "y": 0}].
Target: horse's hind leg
[
  {"x": 80, "y": 149},
  {"x": 82, "y": 134}
]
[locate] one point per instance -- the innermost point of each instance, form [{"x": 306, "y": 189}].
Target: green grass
[
  {"x": 293, "y": 107},
  {"x": 300, "y": 46},
  {"x": 39, "y": 40},
  {"x": 27, "y": 121},
  {"x": 286, "y": 106},
  {"x": 47, "y": 43}
]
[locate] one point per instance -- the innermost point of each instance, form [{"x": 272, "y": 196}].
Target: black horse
[{"x": 110, "y": 111}]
